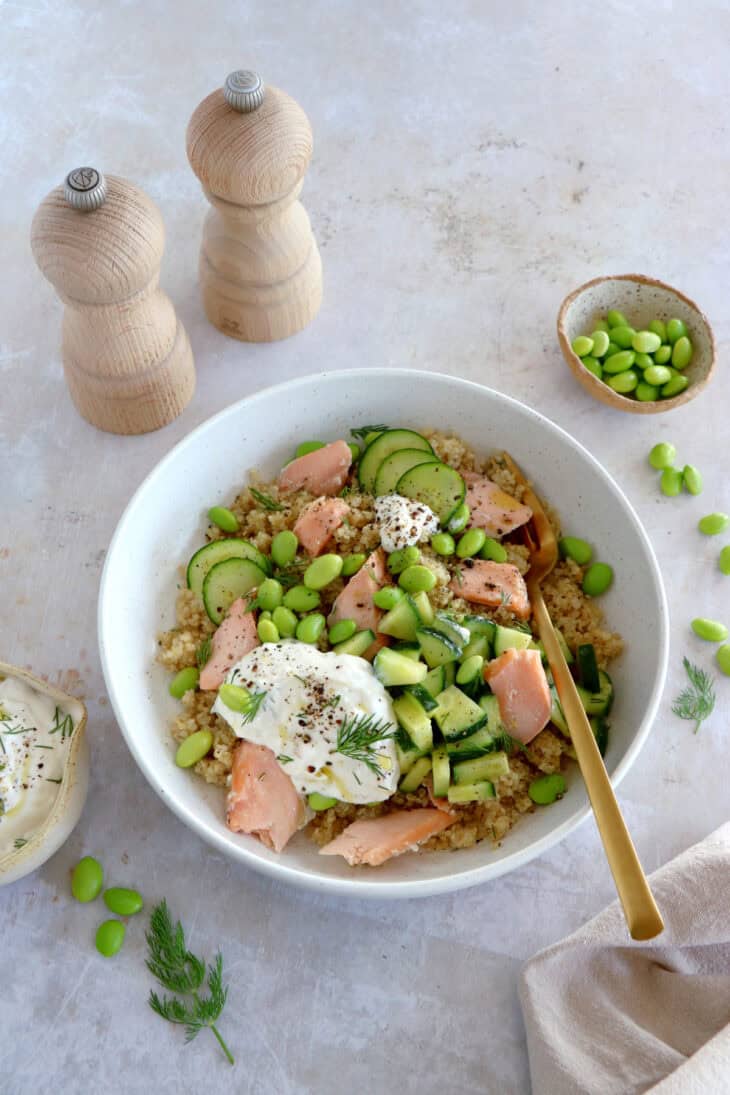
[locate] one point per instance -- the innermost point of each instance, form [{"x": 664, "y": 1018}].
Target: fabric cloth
[{"x": 608, "y": 1016}]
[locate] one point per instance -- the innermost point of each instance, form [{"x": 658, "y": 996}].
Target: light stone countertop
[{"x": 473, "y": 163}]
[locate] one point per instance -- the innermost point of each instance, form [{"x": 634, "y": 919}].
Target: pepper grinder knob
[
  {"x": 85, "y": 189},
  {"x": 244, "y": 90}
]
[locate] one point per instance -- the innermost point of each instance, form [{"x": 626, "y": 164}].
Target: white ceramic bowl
[{"x": 164, "y": 523}]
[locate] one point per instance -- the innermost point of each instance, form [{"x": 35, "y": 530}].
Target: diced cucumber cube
[
  {"x": 490, "y": 767},
  {"x": 471, "y": 792},
  {"x": 392, "y": 668},
  {"x": 441, "y": 771},
  {"x": 414, "y": 721},
  {"x": 413, "y": 779},
  {"x": 457, "y": 715}
]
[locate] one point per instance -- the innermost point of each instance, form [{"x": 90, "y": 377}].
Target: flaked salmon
[
  {"x": 518, "y": 680},
  {"x": 317, "y": 522},
  {"x": 323, "y": 471},
  {"x": 371, "y": 841},
  {"x": 492, "y": 584},
  {"x": 231, "y": 641},
  {"x": 262, "y": 800},
  {"x": 355, "y": 602},
  {"x": 492, "y": 509}
]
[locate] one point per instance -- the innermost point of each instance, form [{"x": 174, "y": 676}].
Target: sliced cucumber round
[
  {"x": 396, "y": 465},
  {"x": 437, "y": 485},
  {"x": 383, "y": 445},
  {"x": 226, "y": 582},
  {"x": 215, "y": 552}
]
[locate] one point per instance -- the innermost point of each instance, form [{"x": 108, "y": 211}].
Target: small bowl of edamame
[{"x": 635, "y": 343}]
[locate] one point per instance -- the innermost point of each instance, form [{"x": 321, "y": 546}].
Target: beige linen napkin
[{"x": 607, "y": 1016}]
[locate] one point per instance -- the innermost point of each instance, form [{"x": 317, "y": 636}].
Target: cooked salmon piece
[
  {"x": 355, "y": 602},
  {"x": 518, "y": 680},
  {"x": 323, "y": 471},
  {"x": 442, "y": 804},
  {"x": 232, "y": 640},
  {"x": 492, "y": 584},
  {"x": 373, "y": 840},
  {"x": 317, "y": 522},
  {"x": 491, "y": 508},
  {"x": 262, "y": 800}
]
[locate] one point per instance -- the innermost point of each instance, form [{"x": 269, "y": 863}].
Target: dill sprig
[
  {"x": 265, "y": 500},
  {"x": 361, "y": 432},
  {"x": 696, "y": 702},
  {"x": 252, "y": 707},
  {"x": 19, "y": 842},
  {"x": 63, "y": 726},
  {"x": 357, "y": 736},
  {"x": 181, "y": 972},
  {"x": 202, "y": 654},
  {"x": 291, "y": 575}
]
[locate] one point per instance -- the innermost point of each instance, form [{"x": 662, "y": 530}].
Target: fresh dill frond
[
  {"x": 361, "y": 432},
  {"x": 181, "y": 972},
  {"x": 202, "y": 654},
  {"x": 283, "y": 758},
  {"x": 19, "y": 842},
  {"x": 696, "y": 702},
  {"x": 253, "y": 705},
  {"x": 265, "y": 500},
  {"x": 291, "y": 575},
  {"x": 357, "y": 736},
  {"x": 505, "y": 598},
  {"x": 65, "y": 726}
]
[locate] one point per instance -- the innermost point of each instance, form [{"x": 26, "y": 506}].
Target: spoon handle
[{"x": 642, "y": 915}]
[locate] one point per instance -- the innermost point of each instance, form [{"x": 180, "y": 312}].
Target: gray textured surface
[{"x": 471, "y": 167}]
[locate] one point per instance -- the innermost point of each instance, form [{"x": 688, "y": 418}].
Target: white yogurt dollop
[
  {"x": 403, "y": 522},
  {"x": 308, "y": 696}
]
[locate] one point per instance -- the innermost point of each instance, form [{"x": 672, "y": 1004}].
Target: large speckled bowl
[
  {"x": 641, "y": 299},
  {"x": 165, "y": 521}
]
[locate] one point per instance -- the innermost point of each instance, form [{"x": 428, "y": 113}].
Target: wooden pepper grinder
[
  {"x": 260, "y": 270},
  {"x": 126, "y": 356}
]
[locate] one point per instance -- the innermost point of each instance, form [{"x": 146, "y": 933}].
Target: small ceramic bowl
[
  {"x": 641, "y": 299},
  {"x": 71, "y": 792}
]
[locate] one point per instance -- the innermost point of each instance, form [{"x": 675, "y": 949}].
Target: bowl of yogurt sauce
[{"x": 44, "y": 770}]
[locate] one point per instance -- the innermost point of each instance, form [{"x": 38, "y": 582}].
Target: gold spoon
[{"x": 642, "y": 915}]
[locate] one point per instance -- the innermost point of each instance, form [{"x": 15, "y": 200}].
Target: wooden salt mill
[
  {"x": 260, "y": 270},
  {"x": 126, "y": 356}
]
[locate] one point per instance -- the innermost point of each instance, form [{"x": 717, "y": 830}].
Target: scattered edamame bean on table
[{"x": 644, "y": 364}]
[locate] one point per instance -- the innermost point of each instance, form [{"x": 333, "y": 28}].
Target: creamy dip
[
  {"x": 403, "y": 522},
  {"x": 312, "y": 702},
  {"x": 35, "y": 734}
]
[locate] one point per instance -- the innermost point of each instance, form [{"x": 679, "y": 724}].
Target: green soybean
[
  {"x": 612, "y": 348},
  {"x": 471, "y": 543},
  {"x": 320, "y": 802},
  {"x": 183, "y": 682},
  {"x": 616, "y": 319},
  {"x": 710, "y": 630},
  {"x": 301, "y": 599},
  {"x": 233, "y": 696},
  {"x": 388, "y": 597},
  {"x": 352, "y": 563},
  {"x": 713, "y": 523},
  {"x": 402, "y": 558},
  {"x": 109, "y": 937},
  {"x": 310, "y": 628},
  {"x": 308, "y": 446},
  {"x": 285, "y": 621},
  {"x": 620, "y": 362},
  {"x": 723, "y": 659},
  {"x": 675, "y": 329},
  {"x": 443, "y": 543},
  {"x": 323, "y": 571},
  {"x": 724, "y": 559},
  {"x": 284, "y": 548},
  {"x": 593, "y": 366},
  {"x": 681, "y": 353},
  {"x": 645, "y": 393},
  {"x": 223, "y": 518},
  {"x": 546, "y": 789},
  {"x": 342, "y": 631},
  {"x": 643, "y": 361},
  {"x": 267, "y": 631},
  {"x": 572, "y": 547},
  {"x": 624, "y": 382},
  {"x": 270, "y": 594},
  {"x": 582, "y": 345},
  {"x": 87, "y": 879},
  {"x": 493, "y": 550},
  {"x": 663, "y": 355},
  {"x": 417, "y": 579},
  {"x": 692, "y": 479},
  {"x": 264, "y": 615},
  {"x": 600, "y": 325},
  {"x": 657, "y": 375},
  {"x": 459, "y": 518},
  {"x": 671, "y": 482},
  {"x": 196, "y": 746},
  {"x": 600, "y": 341},
  {"x": 123, "y": 902},
  {"x": 646, "y": 342},
  {"x": 597, "y": 579},
  {"x": 658, "y": 328},
  {"x": 662, "y": 455},
  {"x": 623, "y": 336},
  {"x": 675, "y": 386},
  {"x": 354, "y": 451}
]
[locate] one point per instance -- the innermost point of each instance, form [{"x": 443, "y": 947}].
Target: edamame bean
[
  {"x": 443, "y": 543},
  {"x": 593, "y": 366},
  {"x": 597, "y": 579},
  {"x": 723, "y": 659},
  {"x": 600, "y": 343},
  {"x": 310, "y": 628},
  {"x": 416, "y": 579},
  {"x": 268, "y": 632},
  {"x": 342, "y": 631},
  {"x": 645, "y": 393},
  {"x": 284, "y": 548},
  {"x": 459, "y": 518},
  {"x": 285, "y": 621},
  {"x": 646, "y": 342},
  {"x": 710, "y": 630},
  {"x": 658, "y": 328},
  {"x": 470, "y": 668},
  {"x": 388, "y": 597},
  {"x": 320, "y": 802},
  {"x": 402, "y": 558},
  {"x": 662, "y": 455},
  {"x": 301, "y": 599},
  {"x": 620, "y": 362},
  {"x": 657, "y": 375},
  {"x": 196, "y": 746},
  {"x": 675, "y": 329},
  {"x": 307, "y": 447},
  {"x": 675, "y": 386},
  {"x": 87, "y": 879},
  {"x": 223, "y": 518},
  {"x": 613, "y": 348},
  {"x": 622, "y": 336},
  {"x": 582, "y": 345},
  {"x": 724, "y": 560},
  {"x": 493, "y": 550},
  {"x": 355, "y": 451},
  {"x": 671, "y": 482},
  {"x": 234, "y": 696},
  {"x": 572, "y": 547},
  {"x": 321, "y": 572},
  {"x": 109, "y": 937},
  {"x": 123, "y": 902},
  {"x": 663, "y": 355},
  {"x": 352, "y": 563},
  {"x": 183, "y": 682},
  {"x": 601, "y": 325},
  {"x": 692, "y": 479},
  {"x": 713, "y": 523},
  {"x": 546, "y": 789},
  {"x": 643, "y": 361},
  {"x": 616, "y": 319},
  {"x": 265, "y": 615},
  {"x": 681, "y": 353},
  {"x": 624, "y": 382},
  {"x": 471, "y": 543},
  {"x": 270, "y": 594}
]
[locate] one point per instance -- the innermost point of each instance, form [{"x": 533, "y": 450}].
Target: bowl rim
[
  {"x": 601, "y": 391},
  {"x": 360, "y": 885}
]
